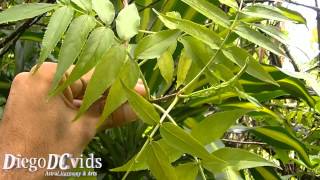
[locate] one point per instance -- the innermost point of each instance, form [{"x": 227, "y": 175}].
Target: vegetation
[{"x": 217, "y": 107}]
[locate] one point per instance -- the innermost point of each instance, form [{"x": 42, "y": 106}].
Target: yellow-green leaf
[
  {"x": 98, "y": 43},
  {"x": 76, "y": 38},
  {"x": 214, "y": 126},
  {"x": 128, "y": 22},
  {"x": 154, "y": 45},
  {"x": 103, "y": 76},
  {"x": 25, "y": 11},
  {"x": 166, "y": 66},
  {"x": 183, "y": 68},
  {"x": 58, "y": 24},
  {"x": 104, "y": 9},
  {"x": 159, "y": 163},
  {"x": 144, "y": 109}
]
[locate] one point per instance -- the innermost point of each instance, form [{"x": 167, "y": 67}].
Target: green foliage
[{"x": 212, "y": 110}]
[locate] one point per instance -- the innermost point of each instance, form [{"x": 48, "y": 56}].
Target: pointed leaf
[
  {"x": 166, "y": 66},
  {"x": 154, "y": 45},
  {"x": 273, "y": 32},
  {"x": 117, "y": 95},
  {"x": 280, "y": 137},
  {"x": 293, "y": 15},
  {"x": 214, "y": 126},
  {"x": 104, "y": 9},
  {"x": 210, "y": 11},
  {"x": 196, "y": 30},
  {"x": 239, "y": 56},
  {"x": 98, "y": 43},
  {"x": 128, "y": 22},
  {"x": 182, "y": 141},
  {"x": 76, "y": 37},
  {"x": 25, "y": 11},
  {"x": 158, "y": 162},
  {"x": 264, "y": 173},
  {"x": 103, "y": 76},
  {"x": 144, "y": 110},
  {"x": 84, "y": 4},
  {"x": 237, "y": 159},
  {"x": 254, "y": 36},
  {"x": 58, "y": 24},
  {"x": 187, "y": 171},
  {"x": 264, "y": 11},
  {"x": 134, "y": 164},
  {"x": 183, "y": 68}
]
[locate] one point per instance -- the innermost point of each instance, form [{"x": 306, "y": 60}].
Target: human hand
[{"x": 35, "y": 127}]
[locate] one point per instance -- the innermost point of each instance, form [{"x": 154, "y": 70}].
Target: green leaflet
[
  {"x": 184, "y": 142},
  {"x": 141, "y": 162},
  {"x": 104, "y": 9},
  {"x": 25, "y": 11},
  {"x": 280, "y": 137},
  {"x": 154, "y": 45},
  {"x": 117, "y": 95},
  {"x": 293, "y": 15},
  {"x": 103, "y": 76},
  {"x": 166, "y": 66},
  {"x": 183, "y": 68},
  {"x": 200, "y": 55},
  {"x": 214, "y": 126},
  {"x": 128, "y": 22},
  {"x": 159, "y": 163},
  {"x": 58, "y": 24},
  {"x": 254, "y": 36},
  {"x": 210, "y": 11},
  {"x": 237, "y": 159},
  {"x": 239, "y": 56},
  {"x": 99, "y": 42},
  {"x": 144, "y": 110},
  {"x": 76, "y": 37},
  {"x": 84, "y": 4},
  {"x": 273, "y": 32},
  {"x": 196, "y": 30},
  {"x": 265, "y": 12},
  {"x": 187, "y": 171}
]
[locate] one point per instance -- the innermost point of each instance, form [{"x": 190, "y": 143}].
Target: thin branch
[
  {"x": 287, "y": 1},
  {"x": 244, "y": 142}
]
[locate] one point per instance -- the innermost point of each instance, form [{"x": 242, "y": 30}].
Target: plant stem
[
  {"x": 200, "y": 168},
  {"x": 155, "y": 129},
  {"x": 163, "y": 111}
]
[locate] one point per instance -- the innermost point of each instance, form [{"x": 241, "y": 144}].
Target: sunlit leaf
[
  {"x": 264, "y": 173},
  {"x": 239, "y": 56},
  {"x": 144, "y": 110},
  {"x": 154, "y": 45},
  {"x": 75, "y": 39},
  {"x": 214, "y": 126},
  {"x": 209, "y": 10},
  {"x": 179, "y": 139},
  {"x": 183, "y": 68},
  {"x": 104, "y": 9},
  {"x": 264, "y": 11},
  {"x": 128, "y": 22},
  {"x": 103, "y": 76},
  {"x": 196, "y": 30},
  {"x": 166, "y": 66},
  {"x": 230, "y": 3},
  {"x": 158, "y": 162},
  {"x": 83, "y": 4},
  {"x": 254, "y": 36},
  {"x": 187, "y": 171},
  {"x": 58, "y": 24},
  {"x": 117, "y": 95},
  {"x": 99, "y": 42},
  {"x": 237, "y": 159},
  {"x": 25, "y": 11}
]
